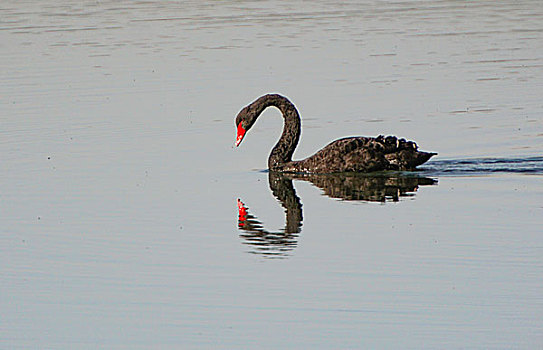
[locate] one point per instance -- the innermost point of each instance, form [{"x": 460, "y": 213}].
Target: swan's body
[{"x": 350, "y": 154}]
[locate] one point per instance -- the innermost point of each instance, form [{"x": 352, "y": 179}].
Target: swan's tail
[{"x": 422, "y": 157}]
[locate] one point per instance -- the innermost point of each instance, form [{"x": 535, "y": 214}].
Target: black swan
[{"x": 349, "y": 154}]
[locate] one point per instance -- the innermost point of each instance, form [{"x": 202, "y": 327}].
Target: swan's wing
[
  {"x": 362, "y": 154},
  {"x": 350, "y": 154}
]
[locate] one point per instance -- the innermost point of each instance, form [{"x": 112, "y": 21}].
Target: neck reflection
[{"x": 350, "y": 187}]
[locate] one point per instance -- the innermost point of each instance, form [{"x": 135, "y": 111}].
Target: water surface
[{"x": 119, "y": 183}]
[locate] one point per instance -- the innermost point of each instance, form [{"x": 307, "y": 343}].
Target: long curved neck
[{"x": 283, "y": 150}]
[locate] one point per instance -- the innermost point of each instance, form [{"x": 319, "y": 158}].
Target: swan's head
[{"x": 244, "y": 121}]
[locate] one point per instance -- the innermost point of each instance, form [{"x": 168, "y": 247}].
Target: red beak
[{"x": 241, "y": 134}]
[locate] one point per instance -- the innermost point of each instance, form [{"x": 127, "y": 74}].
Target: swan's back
[{"x": 362, "y": 154}]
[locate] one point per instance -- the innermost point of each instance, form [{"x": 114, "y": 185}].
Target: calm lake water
[{"x": 120, "y": 186}]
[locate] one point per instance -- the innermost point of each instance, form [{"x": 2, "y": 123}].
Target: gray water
[{"x": 119, "y": 183}]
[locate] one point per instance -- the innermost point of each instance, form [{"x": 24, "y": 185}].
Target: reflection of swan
[
  {"x": 357, "y": 187},
  {"x": 350, "y": 154},
  {"x": 362, "y": 187}
]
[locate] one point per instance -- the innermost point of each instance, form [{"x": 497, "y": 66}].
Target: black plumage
[{"x": 350, "y": 154}]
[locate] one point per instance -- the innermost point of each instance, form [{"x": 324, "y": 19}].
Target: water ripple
[{"x": 473, "y": 166}]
